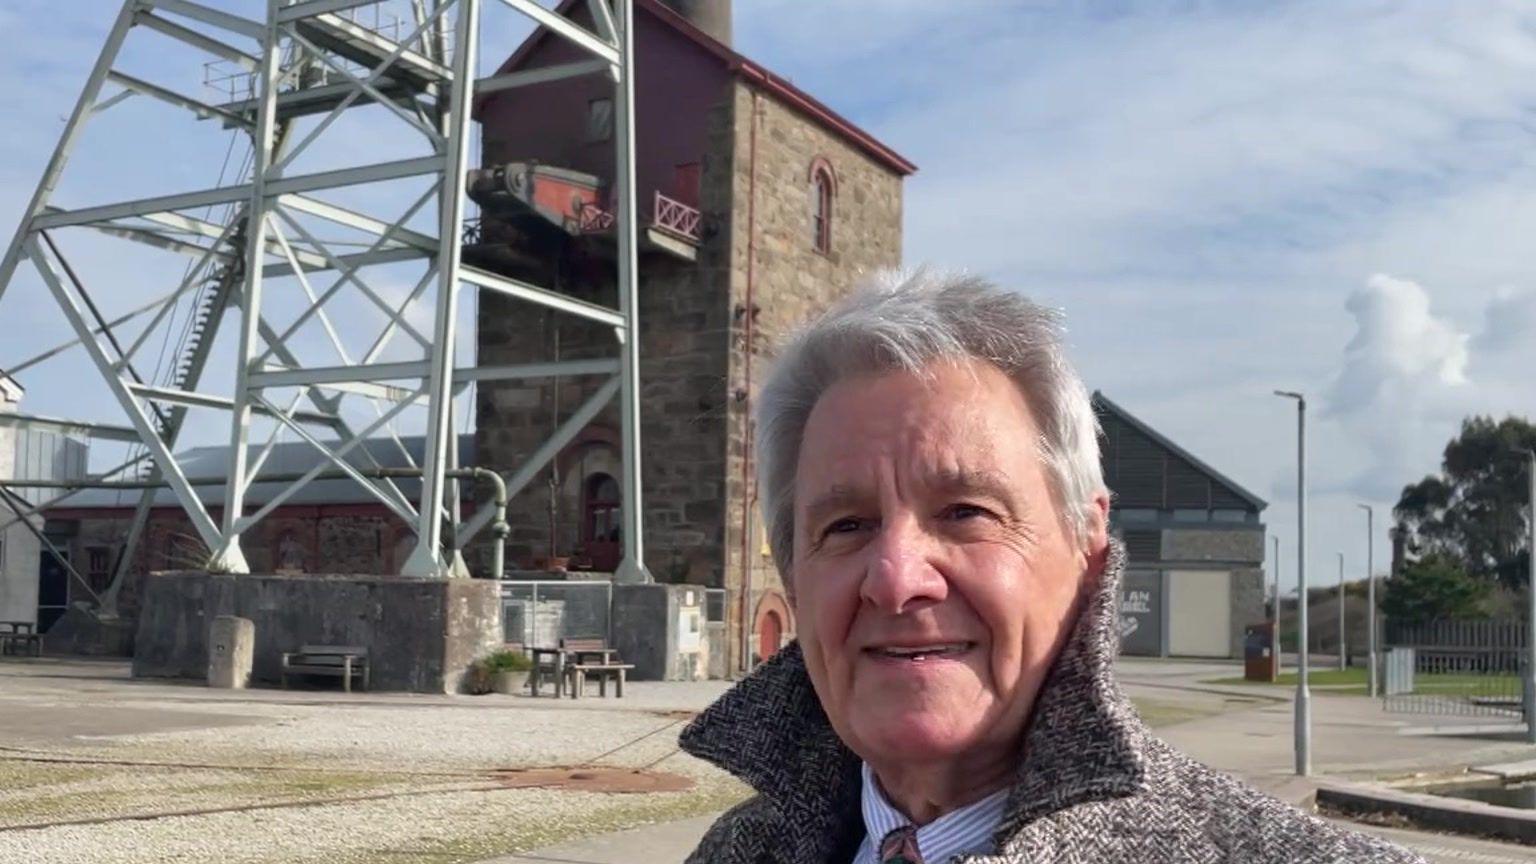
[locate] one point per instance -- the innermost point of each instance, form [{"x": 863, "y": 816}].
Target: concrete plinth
[
  {"x": 421, "y": 634},
  {"x": 660, "y": 629}
]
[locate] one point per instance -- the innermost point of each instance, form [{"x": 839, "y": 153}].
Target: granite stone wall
[
  {"x": 774, "y": 260},
  {"x": 757, "y": 270},
  {"x": 1213, "y": 544}
]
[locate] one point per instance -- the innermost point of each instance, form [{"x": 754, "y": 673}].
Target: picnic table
[
  {"x": 573, "y": 661},
  {"x": 15, "y": 634}
]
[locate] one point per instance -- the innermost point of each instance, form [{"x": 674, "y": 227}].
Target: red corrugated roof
[{"x": 753, "y": 72}]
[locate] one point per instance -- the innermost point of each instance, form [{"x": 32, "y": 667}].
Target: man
[{"x": 929, "y": 470}]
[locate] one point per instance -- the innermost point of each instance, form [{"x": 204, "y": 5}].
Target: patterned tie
[{"x": 900, "y": 847}]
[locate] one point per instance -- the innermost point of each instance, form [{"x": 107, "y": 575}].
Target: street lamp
[
  {"x": 1370, "y": 590},
  {"x": 1529, "y": 683},
  {"x": 1343, "y": 651},
  {"x": 1303, "y": 696}
]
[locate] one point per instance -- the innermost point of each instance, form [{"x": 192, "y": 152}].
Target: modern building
[
  {"x": 34, "y": 587},
  {"x": 1195, "y": 577}
]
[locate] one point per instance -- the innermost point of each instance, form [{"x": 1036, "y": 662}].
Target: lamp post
[
  {"x": 1343, "y": 650},
  {"x": 1274, "y": 637},
  {"x": 1529, "y": 681},
  {"x": 1303, "y": 696},
  {"x": 1370, "y": 591}
]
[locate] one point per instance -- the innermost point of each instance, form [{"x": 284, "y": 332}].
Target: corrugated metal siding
[
  {"x": 1188, "y": 486},
  {"x": 1143, "y": 546},
  {"x": 47, "y": 456}
]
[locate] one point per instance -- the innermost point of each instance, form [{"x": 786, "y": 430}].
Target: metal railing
[
  {"x": 676, "y": 217},
  {"x": 1462, "y": 668},
  {"x": 541, "y": 612}
]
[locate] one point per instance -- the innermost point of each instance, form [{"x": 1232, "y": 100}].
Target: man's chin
[{"x": 915, "y": 737}]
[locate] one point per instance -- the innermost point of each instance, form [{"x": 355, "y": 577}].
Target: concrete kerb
[{"x": 1454, "y": 815}]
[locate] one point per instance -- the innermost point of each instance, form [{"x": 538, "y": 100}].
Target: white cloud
[{"x": 1400, "y": 351}]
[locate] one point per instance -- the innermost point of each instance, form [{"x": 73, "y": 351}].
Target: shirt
[{"x": 966, "y": 830}]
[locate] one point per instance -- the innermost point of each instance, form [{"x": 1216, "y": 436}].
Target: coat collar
[{"x": 1084, "y": 743}]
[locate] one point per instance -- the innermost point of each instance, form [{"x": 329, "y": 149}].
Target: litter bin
[
  {"x": 231, "y": 644},
  {"x": 1260, "y": 662}
]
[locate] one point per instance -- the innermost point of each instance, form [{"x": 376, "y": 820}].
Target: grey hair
[{"x": 906, "y": 321}]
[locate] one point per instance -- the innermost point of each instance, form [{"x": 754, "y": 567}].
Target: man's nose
[{"x": 901, "y": 576}]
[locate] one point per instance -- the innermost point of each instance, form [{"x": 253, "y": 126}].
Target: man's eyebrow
[
  {"x": 836, "y": 498},
  {"x": 986, "y": 482}
]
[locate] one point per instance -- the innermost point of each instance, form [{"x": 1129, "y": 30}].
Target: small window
[
  {"x": 821, "y": 211},
  {"x": 1229, "y": 515},
  {"x": 1137, "y": 514},
  {"x": 599, "y": 121},
  {"x": 1191, "y": 515}
]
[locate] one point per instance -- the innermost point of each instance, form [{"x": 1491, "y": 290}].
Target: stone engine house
[{"x": 758, "y": 207}]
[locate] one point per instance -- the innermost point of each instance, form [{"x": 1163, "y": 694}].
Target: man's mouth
[{"x": 921, "y": 653}]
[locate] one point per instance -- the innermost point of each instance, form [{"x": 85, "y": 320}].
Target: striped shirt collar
[{"x": 968, "y": 829}]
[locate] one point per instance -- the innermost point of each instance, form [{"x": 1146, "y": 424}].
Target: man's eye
[
  {"x": 963, "y": 512},
  {"x": 842, "y": 526}
]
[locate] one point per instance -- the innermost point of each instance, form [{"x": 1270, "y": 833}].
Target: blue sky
[{"x": 1224, "y": 198}]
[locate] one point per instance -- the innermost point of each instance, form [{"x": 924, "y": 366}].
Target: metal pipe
[
  {"x": 745, "y": 664},
  {"x": 1303, "y": 722}
]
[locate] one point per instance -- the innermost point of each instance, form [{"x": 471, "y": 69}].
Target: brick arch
[
  {"x": 822, "y": 165},
  {"x": 772, "y": 612}
]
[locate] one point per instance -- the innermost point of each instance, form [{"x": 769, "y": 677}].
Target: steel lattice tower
[{"x": 308, "y": 64}]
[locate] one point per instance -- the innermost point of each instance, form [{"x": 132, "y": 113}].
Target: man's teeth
[{"x": 923, "y": 651}]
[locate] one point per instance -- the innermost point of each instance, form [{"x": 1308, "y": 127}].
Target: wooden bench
[
  {"x": 343, "y": 661},
  {"x": 593, "y": 658},
  {"x": 16, "y": 634}
]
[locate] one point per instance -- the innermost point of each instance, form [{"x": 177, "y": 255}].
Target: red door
[{"x": 770, "y": 630}]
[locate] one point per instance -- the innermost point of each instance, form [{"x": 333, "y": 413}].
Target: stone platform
[{"x": 421, "y": 634}]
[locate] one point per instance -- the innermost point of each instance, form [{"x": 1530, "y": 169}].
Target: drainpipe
[
  {"x": 499, "y": 528},
  {"x": 748, "y": 494}
]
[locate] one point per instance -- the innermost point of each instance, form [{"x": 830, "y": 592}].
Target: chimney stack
[{"x": 711, "y": 16}]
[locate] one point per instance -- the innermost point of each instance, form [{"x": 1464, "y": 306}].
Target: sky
[{"x": 1224, "y": 199}]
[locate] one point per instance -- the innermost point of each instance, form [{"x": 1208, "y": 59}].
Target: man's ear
[{"x": 1096, "y": 534}]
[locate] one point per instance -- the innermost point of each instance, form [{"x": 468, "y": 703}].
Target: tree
[
  {"x": 1475, "y": 511},
  {"x": 1434, "y": 588}
]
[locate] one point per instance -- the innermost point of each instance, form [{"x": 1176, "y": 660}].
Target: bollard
[{"x": 231, "y": 645}]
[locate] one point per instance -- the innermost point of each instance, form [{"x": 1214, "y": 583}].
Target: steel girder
[{"x": 264, "y": 237}]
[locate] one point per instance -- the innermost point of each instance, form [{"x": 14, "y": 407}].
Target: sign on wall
[{"x": 1141, "y": 613}]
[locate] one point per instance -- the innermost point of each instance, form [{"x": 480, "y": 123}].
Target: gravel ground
[{"x": 317, "y": 776}]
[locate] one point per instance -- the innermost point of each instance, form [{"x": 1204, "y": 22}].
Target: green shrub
[{"x": 506, "y": 660}]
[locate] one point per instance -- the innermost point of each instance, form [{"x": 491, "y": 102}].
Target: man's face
[{"x": 934, "y": 576}]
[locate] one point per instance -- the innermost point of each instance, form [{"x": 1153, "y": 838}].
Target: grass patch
[
  {"x": 504, "y": 835},
  {"x": 1156, "y": 712},
  {"x": 1356, "y": 682},
  {"x": 52, "y": 792}
]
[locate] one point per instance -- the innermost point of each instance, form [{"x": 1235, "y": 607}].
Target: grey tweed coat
[{"x": 1093, "y": 784}]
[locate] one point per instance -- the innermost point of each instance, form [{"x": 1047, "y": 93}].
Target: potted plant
[{"x": 508, "y": 670}]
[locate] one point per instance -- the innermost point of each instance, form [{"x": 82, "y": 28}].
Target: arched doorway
[
  {"x": 770, "y": 632},
  {"x": 602, "y": 524},
  {"x": 771, "y": 624}
]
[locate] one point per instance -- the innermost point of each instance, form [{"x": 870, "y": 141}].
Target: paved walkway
[{"x": 1352, "y": 739}]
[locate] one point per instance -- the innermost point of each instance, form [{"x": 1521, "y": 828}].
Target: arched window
[
  {"x": 602, "y": 528},
  {"x": 823, "y": 195}
]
